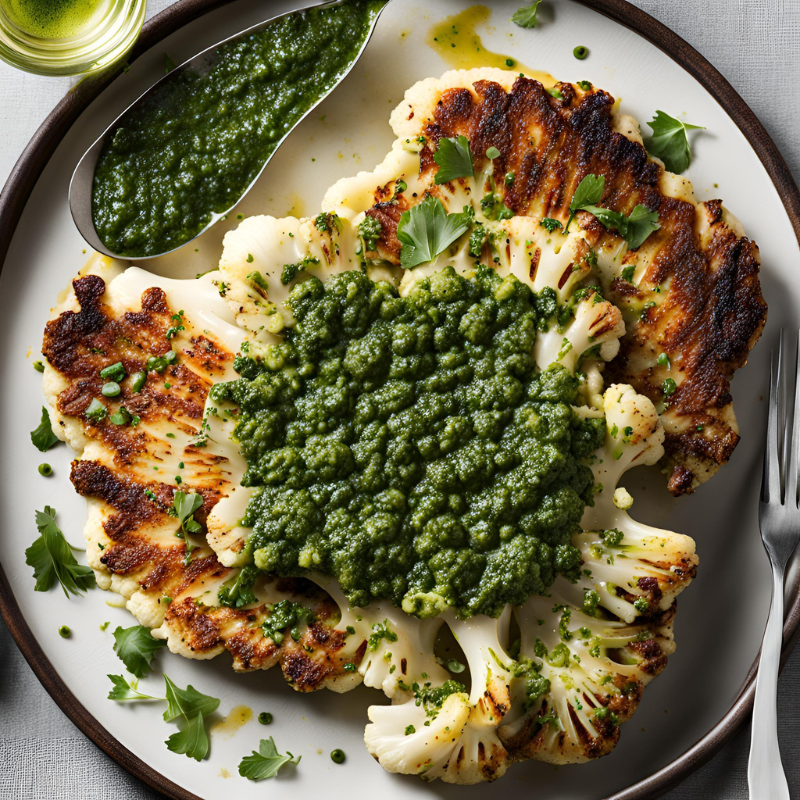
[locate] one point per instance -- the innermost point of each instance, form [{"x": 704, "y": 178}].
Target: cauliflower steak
[{"x": 185, "y": 403}]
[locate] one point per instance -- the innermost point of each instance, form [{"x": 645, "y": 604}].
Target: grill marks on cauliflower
[
  {"x": 586, "y": 652},
  {"x": 691, "y": 291}
]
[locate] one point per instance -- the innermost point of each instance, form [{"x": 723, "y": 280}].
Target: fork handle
[{"x": 765, "y": 775}]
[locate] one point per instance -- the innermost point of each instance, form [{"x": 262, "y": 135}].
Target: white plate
[{"x": 721, "y": 615}]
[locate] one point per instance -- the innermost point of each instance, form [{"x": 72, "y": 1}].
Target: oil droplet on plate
[
  {"x": 237, "y": 716},
  {"x": 457, "y": 42}
]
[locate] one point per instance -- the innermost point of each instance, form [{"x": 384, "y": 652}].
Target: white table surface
[{"x": 756, "y": 45}]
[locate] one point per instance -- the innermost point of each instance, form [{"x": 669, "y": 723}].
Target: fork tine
[
  {"x": 794, "y": 456},
  {"x": 771, "y": 479}
]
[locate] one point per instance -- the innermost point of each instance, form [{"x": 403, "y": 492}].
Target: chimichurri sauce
[
  {"x": 199, "y": 141},
  {"x": 411, "y": 448}
]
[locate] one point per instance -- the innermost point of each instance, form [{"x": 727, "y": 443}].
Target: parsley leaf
[
  {"x": 193, "y": 707},
  {"x": 136, "y": 647},
  {"x": 51, "y": 558},
  {"x": 454, "y": 159},
  {"x": 239, "y": 591},
  {"x": 43, "y": 437},
  {"x": 183, "y": 507},
  {"x": 428, "y": 230},
  {"x": 634, "y": 228},
  {"x": 525, "y": 17},
  {"x": 187, "y": 702},
  {"x": 669, "y": 141},
  {"x": 124, "y": 691},
  {"x": 589, "y": 192},
  {"x": 192, "y": 740},
  {"x": 265, "y": 763}
]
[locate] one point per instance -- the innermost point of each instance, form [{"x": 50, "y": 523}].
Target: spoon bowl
[{"x": 82, "y": 181}]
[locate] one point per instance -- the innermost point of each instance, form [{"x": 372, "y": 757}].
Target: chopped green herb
[
  {"x": 122, "y": 417},
  {"x": 38, "y": 366},
  {"x": 64, "y": 632},
  {"x": 370, "y": 230},
  {"x": 290, "y": 271},
  {"x": 45, "y": 470},
  {"x": 338, "y": 756},
  {"x": 550, "y": 224},
  {"x": 116, "y": 372},
  {"x": 381, "y": 631},
  {"x": 138, "y": 380},
  {"x": 265, "y": 718},
  {"x": 580, "y": 52}
]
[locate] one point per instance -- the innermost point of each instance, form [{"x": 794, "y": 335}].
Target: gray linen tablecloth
[{"x": 756, "y": 45}]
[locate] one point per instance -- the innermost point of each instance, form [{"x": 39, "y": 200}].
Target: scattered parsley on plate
[
  {"x": 43, "y": 437},
  {"x": 266, "y": 763},
  {"x": 670, "y": 141},
  {"x": 51, "y": 558},
  {"x": 525, "y": 17},
  {"x": 136, "y": 647}
]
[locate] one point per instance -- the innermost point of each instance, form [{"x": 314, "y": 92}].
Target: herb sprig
[
  {"x": 670, "y": 141},
  {"x": 266, "y": 763},
  {"x": 191, "y": 707},
  {"x": 634, "y": 228},
  {"x": 51, "y": 558}
]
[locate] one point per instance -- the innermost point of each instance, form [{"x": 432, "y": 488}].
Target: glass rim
[{"x": 85, "y": 53}]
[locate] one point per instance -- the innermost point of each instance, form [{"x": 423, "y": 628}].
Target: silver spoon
[{"x": 80, "y": 187}]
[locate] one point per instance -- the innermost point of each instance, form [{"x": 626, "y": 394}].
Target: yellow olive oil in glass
[{"x": 68, "y": 37}]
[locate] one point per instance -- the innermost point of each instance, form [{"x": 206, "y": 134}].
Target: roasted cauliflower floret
[
  {"x": 417, "y": 738},
  {"x": 595, "y": 329},
  {"x": 582, "y": 675}
]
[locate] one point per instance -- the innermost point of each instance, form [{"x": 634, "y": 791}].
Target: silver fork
[{"x": 779, "y": 521}]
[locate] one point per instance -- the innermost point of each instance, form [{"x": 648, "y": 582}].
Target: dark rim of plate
[{"x": 17, "y": 191}]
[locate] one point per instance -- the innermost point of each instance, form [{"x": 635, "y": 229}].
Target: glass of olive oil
[{"x": 68, "y": 37}]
